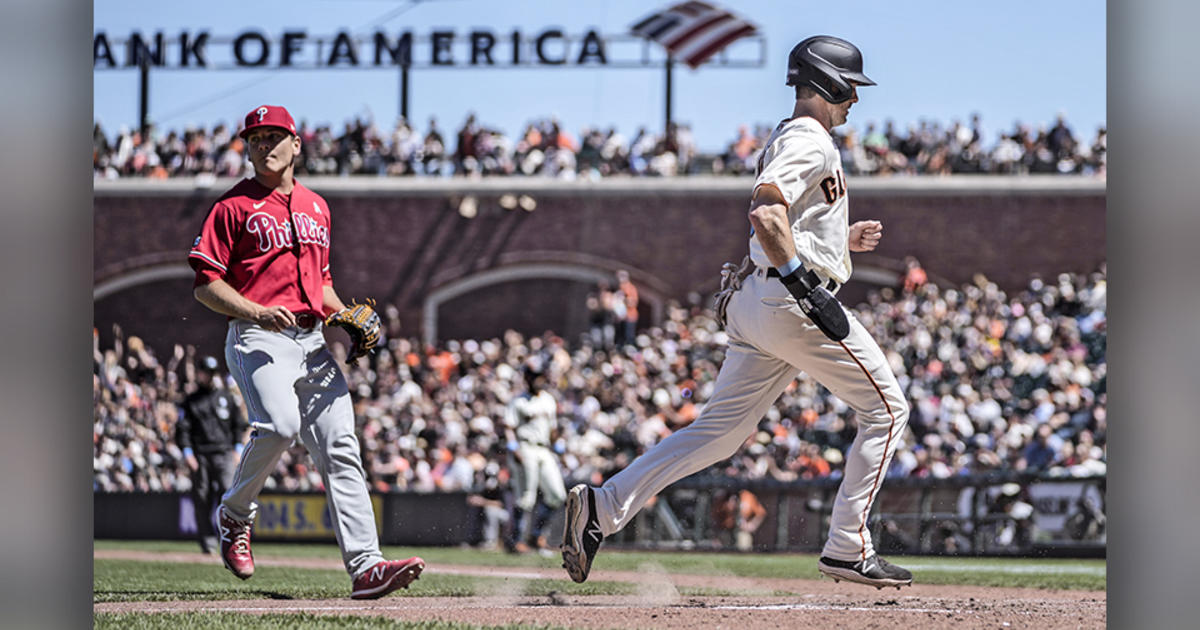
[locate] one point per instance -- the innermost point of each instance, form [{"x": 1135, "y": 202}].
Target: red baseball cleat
[
  {"x": 385, "y": 577},
  {"x": 235, "y": 545}
]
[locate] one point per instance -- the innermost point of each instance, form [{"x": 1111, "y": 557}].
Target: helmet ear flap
[
  {"x": 838, "y": 90},
  {"x": 832, "y": 88}
]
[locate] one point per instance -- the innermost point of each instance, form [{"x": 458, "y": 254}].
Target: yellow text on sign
[{"x": 301, "y": 516}]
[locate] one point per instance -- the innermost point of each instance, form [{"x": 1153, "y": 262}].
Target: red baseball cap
[{"x": 269, "y": 116}]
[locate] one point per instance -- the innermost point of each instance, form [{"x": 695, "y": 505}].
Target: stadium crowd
[
  {"x": 997, "y": 382},
  {"x": 545, "y": 148}
]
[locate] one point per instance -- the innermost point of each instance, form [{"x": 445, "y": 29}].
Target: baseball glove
[{"x": 362, "y": 323}]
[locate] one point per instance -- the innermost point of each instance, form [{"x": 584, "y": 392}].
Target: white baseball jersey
[
  {"x": 533, "y": 417},
  {"x": 801, "y": 162},
  {"x": 770, "y": 341}
]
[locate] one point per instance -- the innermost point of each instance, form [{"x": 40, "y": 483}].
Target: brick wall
[{"x": 399, "y": 240}]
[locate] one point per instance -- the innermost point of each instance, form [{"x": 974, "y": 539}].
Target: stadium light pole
[
  {"x": 404, "y": 91},
  {"x": 670, "y": 63},
  {"x": 143, "y": 94}
]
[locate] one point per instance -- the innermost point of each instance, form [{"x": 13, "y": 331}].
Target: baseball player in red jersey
[
  {"x": 782, "y": 318},
  {"x": 262, "y": 259}
]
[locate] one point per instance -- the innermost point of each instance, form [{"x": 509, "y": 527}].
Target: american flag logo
[{"x": 694, "y": 31}]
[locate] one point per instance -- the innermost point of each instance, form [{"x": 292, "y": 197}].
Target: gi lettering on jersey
[{"x": 802, "y": 163}]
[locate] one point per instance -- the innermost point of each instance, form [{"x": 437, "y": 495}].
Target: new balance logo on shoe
[
  {"x": 873, "y": 571},
  {"x": 385, "y": 577},
  {"x": 235, "y": 545},
  {"x": 595, "y": 533}
]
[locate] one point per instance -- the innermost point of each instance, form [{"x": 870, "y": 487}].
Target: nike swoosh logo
[{"x": 259, "y": 205}]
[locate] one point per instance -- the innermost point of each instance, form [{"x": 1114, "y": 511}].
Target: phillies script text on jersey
[
  {"x": 256, "y": 239},
  {"x": 271, "y": 233}
]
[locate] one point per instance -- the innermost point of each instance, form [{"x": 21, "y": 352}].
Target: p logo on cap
[{"x": 268, "y": 116}]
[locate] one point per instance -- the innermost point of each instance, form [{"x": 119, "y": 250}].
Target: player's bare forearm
[
  {"x": 331, "y": 302},
  {"x": 224, "y": 299},
  {"x": 768, "y": 215},
  {"x": 218, "y": 296}
]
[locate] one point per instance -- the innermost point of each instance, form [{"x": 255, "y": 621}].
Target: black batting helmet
[{"x": 829, "y": 65}]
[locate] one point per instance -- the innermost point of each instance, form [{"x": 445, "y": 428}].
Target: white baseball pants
[
  {"x": 538, "y": 470},
  {"x": 770, "y": 342},
  {"x": 293, "y": 388}
]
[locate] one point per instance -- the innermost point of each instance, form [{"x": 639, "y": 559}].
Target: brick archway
[
  {"x": 593, "y": 274},
  {"x": 144, "y": 275}
]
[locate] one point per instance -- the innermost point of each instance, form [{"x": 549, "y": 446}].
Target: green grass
[
  {"x": 276, "y": 621},
  {"x": 1035, "y": 573},
  {"x": 133, "y": 580}
]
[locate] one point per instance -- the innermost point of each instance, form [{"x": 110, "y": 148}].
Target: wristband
[
  {"x": 789, "y": 266},
  {"x": 187, "y": 451}
]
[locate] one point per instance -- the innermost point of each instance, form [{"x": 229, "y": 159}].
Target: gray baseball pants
[{"x": 293, "y": 388}]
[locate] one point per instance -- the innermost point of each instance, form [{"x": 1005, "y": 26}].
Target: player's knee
[{"x": 342, "y": 451}]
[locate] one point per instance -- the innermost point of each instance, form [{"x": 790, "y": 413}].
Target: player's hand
[
  {"x": 865, "y": 235},
  {"x": 275, "y": 318},
  {"x": 192, "y": 462}
]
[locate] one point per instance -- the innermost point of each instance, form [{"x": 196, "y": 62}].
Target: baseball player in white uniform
[
  {"x": 781, "y": 317},
  {"x": 532, "y": 417}
]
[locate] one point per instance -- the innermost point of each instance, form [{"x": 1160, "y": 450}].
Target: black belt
[
  {"x": 307, "y": 320},
  {"x": 831, "y": 286}
]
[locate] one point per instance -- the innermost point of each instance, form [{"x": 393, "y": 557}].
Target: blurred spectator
[
  {"x": 211, "y": 432},
  {"x": 545, "y": 148},
  {"x": 490, "y": 497},
  {"x": 914, "y": 275},
  {"x": 1017, "y": 530},
  {"x": 737, "y": 515},
  {"x": 627, "y": 295}
]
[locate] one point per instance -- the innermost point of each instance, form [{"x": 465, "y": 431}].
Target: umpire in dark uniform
[{"x": 210, "y": 432}]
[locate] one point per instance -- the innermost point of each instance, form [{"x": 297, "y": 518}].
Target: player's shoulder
[
  {"x": 802, "y": 140},
  {"x": 242, "y": 194},
  {"x": 805, "y": 129},
  {"x": 305, "y": 195}
]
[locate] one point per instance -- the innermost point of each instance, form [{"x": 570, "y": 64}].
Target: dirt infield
[{"x": 658, "y": 603}]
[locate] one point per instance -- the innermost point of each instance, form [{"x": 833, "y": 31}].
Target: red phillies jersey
[{"x": 271, "y": 247}]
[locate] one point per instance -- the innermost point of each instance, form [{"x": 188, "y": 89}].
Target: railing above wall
[
  {"x": 977, "y": 515},
  {"x": 967, "y": 185},
  {"x": 1005, "y": 514}
]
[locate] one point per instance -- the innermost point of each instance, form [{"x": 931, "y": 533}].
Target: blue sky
[{"x": 935, "y": 60}]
